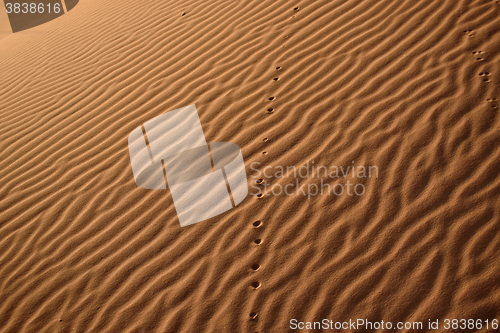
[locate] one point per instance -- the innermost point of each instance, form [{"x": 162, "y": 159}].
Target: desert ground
[{"x": 409, "y": 90}]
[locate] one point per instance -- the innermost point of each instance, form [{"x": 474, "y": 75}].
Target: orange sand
[{"x": 396, "y": 84}]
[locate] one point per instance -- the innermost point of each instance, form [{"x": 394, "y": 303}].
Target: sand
[{"x": 409, "y": 87}]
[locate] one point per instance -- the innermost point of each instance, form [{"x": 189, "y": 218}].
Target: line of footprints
[
  {"x": 485, "y": 76},
  {"x": 480, "y": 57},
  {"x": 492, "y": 100},
  {"x": 270, "y": 110},
  {"x": 257, "y": 224},
  {"x": 255, "y": 267}
]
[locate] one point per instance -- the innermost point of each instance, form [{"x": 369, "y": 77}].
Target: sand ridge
[{"x": 410, "y": 87}]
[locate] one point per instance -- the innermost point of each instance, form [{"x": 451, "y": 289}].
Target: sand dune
[{"x": 410, "y": 87}]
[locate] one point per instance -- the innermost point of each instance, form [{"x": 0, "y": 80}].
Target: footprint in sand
[
  {"x": 485, "y": 74},
  {"x": 493, "y": 102},
  {"x": 478, "y": 53},
  {"x": 256, "y": 284},
  {"x": 469, "y": 32}
]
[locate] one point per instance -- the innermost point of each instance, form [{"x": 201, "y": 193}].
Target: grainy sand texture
[{"x": 410, "y": 88}]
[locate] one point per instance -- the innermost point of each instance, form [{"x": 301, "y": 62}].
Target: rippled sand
[{"x": 411, "y": 87}]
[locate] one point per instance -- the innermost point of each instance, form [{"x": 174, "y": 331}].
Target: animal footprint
[
  {"x": 256, "y": 284},
  {"x": 485, "y": 74},
  {"x": 494, "y": 102}
]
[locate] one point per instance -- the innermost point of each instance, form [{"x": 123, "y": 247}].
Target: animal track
[
  {"x": 255, "y": 284},
  {"x": 485, "y": 74},
  {"x": 493, "y": 102},
  {"x": 257, "y": 224},
  {"x": 478, "y": 53},
  {"x": 469, "y": 32}
]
